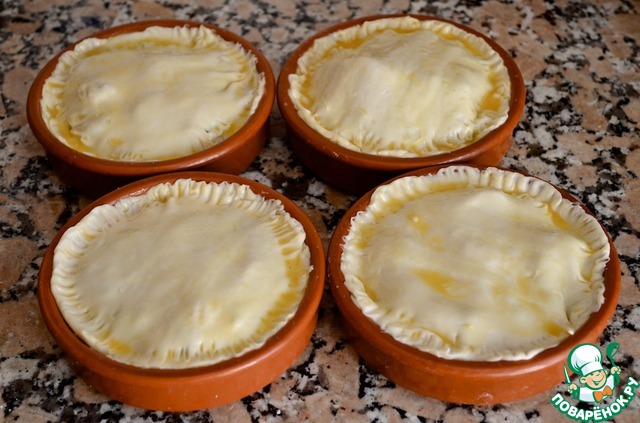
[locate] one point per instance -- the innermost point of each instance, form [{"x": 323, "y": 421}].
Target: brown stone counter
[{"x": 581, "y": 65}]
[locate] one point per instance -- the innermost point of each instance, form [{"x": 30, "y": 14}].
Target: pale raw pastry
[
  {"x": 152, "y": 95},
  {"x": 187, "y": 274},
  {"x": 475, "y": 265},
  {"x": 401, "y": 87}
]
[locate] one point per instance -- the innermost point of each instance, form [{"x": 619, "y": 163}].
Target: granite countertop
[{"x": 580, "y": 61}]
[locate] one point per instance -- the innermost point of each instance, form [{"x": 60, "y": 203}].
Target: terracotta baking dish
[
  {"x": 192, "y": 388},
  {"x": 458, "y": 381},
  {"x": 95, "y": 176},
  {"x": 358, "y": 172}
]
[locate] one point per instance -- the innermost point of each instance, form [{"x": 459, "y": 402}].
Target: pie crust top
[
  {"x": 157, "y": 94},
  {"x": 186, "y": 275},
  {"x": 475, "y": 265},
  {"x": 401, "y": 87}
]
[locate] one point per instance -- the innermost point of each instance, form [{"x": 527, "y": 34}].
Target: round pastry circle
[
  {"x": 157, "y": 94},
  {"x": 187, "y": 274},
  {"x": 401, "y": 87},
  {"x": 475, "y": 265}
]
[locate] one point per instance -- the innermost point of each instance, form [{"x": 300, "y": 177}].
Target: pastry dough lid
[
  {"x": 401, "y": 87},
  {"x": 186, "y": 275},
  {"x": 157, "y": 94},
  {"x": 475, "y": 265}
]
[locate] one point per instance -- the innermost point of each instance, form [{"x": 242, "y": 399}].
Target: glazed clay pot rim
[
  {"x": 391, "y": 163},
  {"x": 133, "y": 169},
  {"x": 373, "y": 334},
  {"x": 105, "y": 366}
]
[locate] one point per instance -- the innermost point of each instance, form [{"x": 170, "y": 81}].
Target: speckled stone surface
[{"x": 581, "y": 64}]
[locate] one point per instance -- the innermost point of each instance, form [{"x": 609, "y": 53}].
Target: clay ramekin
[
  {"x": 357, "y": 172},
  {"x": 458, "y": 381},
  {"x": 95, "y": 176},
  {"x": 193, "y": 388}
]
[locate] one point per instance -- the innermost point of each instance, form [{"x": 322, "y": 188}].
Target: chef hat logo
[{"x": 585, "y": 359}]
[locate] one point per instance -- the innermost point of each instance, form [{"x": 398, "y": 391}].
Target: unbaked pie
[
  {"x": 157, "y": 94},
  {"x": 187, "y": 274},
  {"x": 401, "y": 87},
  {"x": 472, "y": 264}
]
